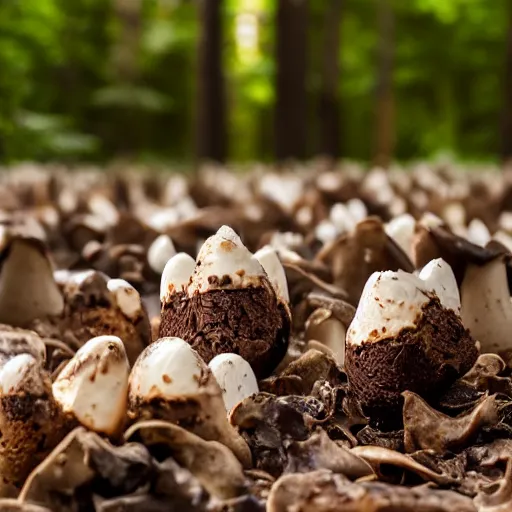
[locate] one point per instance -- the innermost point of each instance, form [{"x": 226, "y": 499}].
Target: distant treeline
[{"x": 372, "y": 80}]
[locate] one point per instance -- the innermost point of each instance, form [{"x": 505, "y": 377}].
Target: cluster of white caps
[
  {"x": 392, "y": 301},
  {"x": 96, "y": 385},
  {"x": 222, "y": 262}
]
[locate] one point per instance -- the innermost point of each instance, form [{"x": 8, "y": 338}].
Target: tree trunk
[
  {"x": 506, "y": 117},
  {"x": 211, "y": 102},
  {"x": 291, "y": 55},
  {"x": 329, "y": 107},
  {"x": 385, "y": 103}
]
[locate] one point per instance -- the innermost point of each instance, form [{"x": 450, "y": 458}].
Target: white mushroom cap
[
  {"x": 176, "y": 275},
  {"x": 21, "y": 374},
  {"x": 486, "y": 305},
  {"x": 127, "y": 297},
  {"x": 342, "y": 218},
  {"x": 390, "y": 302},
  {"x": 401, "y": 230},
  {"x": 160, "y": 252},
  {"x": 439, "y": 277},
  {"x": 27, "y": 287},
  {"x": 224, "y": 254},
  {"x": 93, "y": 385},
  {"x": 267, "y": 256},
  {"x": 169, "y": 367},
  {"x": 235, "y": 377}
]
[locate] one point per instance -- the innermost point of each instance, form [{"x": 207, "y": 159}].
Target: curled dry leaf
[
  {"x": 320, "y": 452},
  {"x": 212, "y": 463},
  {"x": 84, "y": 457},
  {"x": 426, "y": 428},
  {"x": 311, "y": 367},
  {"x": 497, "y": 497},
  {"x": 378, "y": 456},
  {"x": 323, "y": 491},
  {"x": 266, "y": 421}
]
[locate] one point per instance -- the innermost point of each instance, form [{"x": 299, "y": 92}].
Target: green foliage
[{"x": 63, "y": 94}]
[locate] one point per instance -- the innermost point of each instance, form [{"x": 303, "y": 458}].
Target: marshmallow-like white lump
[
  {"x": 478, "y": 233},
  {"x": 270, "y": 262},
  {"x": 160, "y": 252},
  {"x": 235, "y": 378},
  {"x": 93, "y": 385},
  {"x": 401, "y": 230},
  {"x": 17, "y": 371},
  {"x": 176, "y": 274},
  {"x": 439, "y": 277},
  {"x": 390, "y": 302},
  {"x": 224, "y": 254},
  {"x": 127, "y": 297},
  {"x": 168, "y": 368}
]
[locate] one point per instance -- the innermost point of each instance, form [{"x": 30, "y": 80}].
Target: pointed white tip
[
  {"x": 93, "y": 385},
  {"x": 235, "y": 378},
  {"x": 224, "y": 255},
  {"x": 439, "y": 277},
  {"x": 160, "y": 252},
  {"x": 169, "y": 367},
  {"x": 390, "y": 302},
  {"x": 127, "y": 297},
  {"x": 267, "y": 256},
  {"x": 176, "y": 275}
]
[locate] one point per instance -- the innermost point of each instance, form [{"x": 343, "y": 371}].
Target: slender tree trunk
[
  {"x": 329, "y": 107},
  {"x": 291, "y": 56},
  {"x": 385, "y": 102},
  {"x": 211, "y": 139},
  {"x": 126, "y": 71},
  {"x": 506, "y": 116}
]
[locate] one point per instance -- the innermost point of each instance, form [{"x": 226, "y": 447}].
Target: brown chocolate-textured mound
[
  {"x": 30, "y": 427},
  {"x": 247, "y": 322},
  {"x": 424, "y": 360}
]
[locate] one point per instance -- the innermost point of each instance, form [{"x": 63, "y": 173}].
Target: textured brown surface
[
  {"x": 248, "y": 322},
  {"x": 30, "y": 428},
  {"x": 424, "y": 360}
]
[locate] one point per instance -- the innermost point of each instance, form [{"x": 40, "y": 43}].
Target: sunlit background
[{"x": 372, "y": 80}]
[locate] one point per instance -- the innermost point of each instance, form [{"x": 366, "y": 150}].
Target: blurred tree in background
[{"x": 253, "y": 79}]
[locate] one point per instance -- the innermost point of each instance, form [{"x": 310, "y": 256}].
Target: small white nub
[
  {"x": 93, "y": 385},
  {"x": 439, "y": 277},
  {"x": 357, "y": 209},
  {"x": 176, "y": 275},
  {"x": 16, "y": 372},
  {"x": 478, "y": 233},
  {"x": 326, "y": 231},
  {"x": 127, "y": 297},
  {"x": 224, "y": 254},
  {"x": 341, "y": 217},
  {"x": 160, "y": 252},
  {"x": 169, "y": 367},
  {"x": 235, "y": 377},
  {"x": 270, "y": 262},
  {"x": 401, "y": 230}
]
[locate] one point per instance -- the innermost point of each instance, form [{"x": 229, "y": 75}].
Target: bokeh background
[{"x": 246, "y": 80}]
